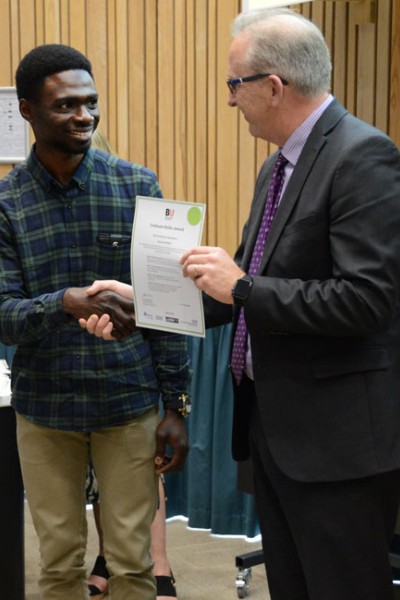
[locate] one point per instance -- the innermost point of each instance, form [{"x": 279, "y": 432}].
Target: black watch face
[{"x": 242, "y": 288}]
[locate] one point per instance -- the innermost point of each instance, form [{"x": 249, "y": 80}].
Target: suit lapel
[
  {"x": 289, "y": 200},
  {"x": 309, "y": 154}
]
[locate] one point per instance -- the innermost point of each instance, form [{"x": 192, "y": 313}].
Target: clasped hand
[{"x": 120, "y": 310}]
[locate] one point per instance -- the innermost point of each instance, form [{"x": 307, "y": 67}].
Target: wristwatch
[
  {"x": 183, "y": 405},
  {"x": 242, "y": 289}
]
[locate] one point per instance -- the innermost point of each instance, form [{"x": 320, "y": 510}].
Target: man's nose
[
  {"x": 232, "y": 99},
  {"x": 83, "y": 113}
]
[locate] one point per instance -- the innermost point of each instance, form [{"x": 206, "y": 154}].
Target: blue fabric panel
[
  {"x": 206, "y": 491},
  {"x": 7, "y": 352}
]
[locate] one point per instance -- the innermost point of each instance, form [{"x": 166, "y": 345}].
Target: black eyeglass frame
[{"x": 233, "y": 83}]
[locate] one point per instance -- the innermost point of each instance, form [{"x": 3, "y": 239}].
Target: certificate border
[{"x": 161, "y": 327}]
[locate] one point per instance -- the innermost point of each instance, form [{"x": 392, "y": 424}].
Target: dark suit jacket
[{"x": 323, "y": 313}]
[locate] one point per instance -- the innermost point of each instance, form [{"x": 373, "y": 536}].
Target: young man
[{"x": 65, "y": 219}]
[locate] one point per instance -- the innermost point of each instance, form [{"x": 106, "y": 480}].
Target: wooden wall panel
[
  {"x": 6, "y": 65},
  {"x": 184, "y": 98},
  {"x": 339, "y": 51},
  {"x": 365, "y": 97},
  {"x": 96, "y": 50},
  {"x": 151, "y": 72},
  {"x": 15, "y": 28},
  {"x": 201, "y": 123},
  {"x": 160, "y": 68},
  {"x": 65, "y": 17},
  {"x": 183, "y": 89},
  {"x": 394, "y": 92},
  {"x": 227, "y": 125},
  {"x": 166, "y": 88},
  {"x": 211, "y": 233},
  {"x": 110, "y": 108},
  {"x": 52, "y": 25},
  {"x": 39, "y": 21},
  {"x": 27, "y": 16},
  {"x": 136, "y": 125},
  {"x": 382, "y": 57},
  {"x": 122, "y": 59}
]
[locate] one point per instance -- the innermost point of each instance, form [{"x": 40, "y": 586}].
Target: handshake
[{"x": 105, "y": 308}]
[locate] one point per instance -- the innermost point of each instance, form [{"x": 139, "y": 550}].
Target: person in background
[
  {"x": 66, "y": 217},
  {"x": 313, "y": 291},
  {"x": 98, "y": 579}
]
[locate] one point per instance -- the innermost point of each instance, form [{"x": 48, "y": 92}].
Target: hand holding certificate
[{"x": 164, "y": 298}]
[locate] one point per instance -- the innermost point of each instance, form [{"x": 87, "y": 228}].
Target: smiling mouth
[{"x": 79, "y": 133}]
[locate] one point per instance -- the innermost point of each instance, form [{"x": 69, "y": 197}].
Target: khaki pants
[{"x": 54, "y": 467}]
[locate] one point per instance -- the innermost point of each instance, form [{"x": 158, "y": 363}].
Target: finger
[
  {"x": 91, "y": 323},
  {"x": 123, "y": 326},
  {"x": 186, "y": 255},
  {"x": 105, "y": 332},
  {"x": 177, "y": 461},
  {"x": 99, "y": 286},
  {"x": 93, "y": 289},
  {"x": 191, "y": 267},
  {"x": 195, "y": 255},
  {"x": 167, "y": 468},
  {"x": 171, "y": 464},
  {"x": 168, "y": 465},
  {"x": 161, "y": 463},
  {"x": 101, "y": 321}
]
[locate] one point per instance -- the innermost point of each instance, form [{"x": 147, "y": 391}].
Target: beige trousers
[{"x": 54, "y": 467}]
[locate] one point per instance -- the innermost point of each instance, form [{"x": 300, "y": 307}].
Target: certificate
[{"x": 165, "y": 299}]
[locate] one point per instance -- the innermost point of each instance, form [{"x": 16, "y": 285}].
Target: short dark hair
[{"x": 43, "y": 61}]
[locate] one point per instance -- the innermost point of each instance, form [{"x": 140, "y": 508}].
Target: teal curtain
[
  {"x": 7, "y": 353},
  {"x": 206, "y": 490}
]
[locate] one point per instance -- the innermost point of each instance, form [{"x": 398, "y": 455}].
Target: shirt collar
[
  {"x": 47, "y": 181},
  {"x": 295, "y": 144}
]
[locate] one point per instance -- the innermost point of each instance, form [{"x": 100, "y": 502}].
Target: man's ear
[
  {"x": 25, "y": 108},
  {"x": 277, "y": 87}
]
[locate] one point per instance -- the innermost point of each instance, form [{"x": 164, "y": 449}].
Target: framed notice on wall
[{"x": 14, "y": 130}]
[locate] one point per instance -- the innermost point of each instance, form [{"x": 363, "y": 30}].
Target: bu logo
[{"x": 169, "y": 213}]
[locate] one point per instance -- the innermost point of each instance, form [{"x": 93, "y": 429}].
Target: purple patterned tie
[{"x": 271, "y": 204}]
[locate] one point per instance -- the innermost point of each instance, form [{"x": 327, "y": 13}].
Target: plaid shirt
[{"x": 62, "y": 377}]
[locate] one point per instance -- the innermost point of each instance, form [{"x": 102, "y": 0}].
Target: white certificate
[{"x": 164, "y": 298}]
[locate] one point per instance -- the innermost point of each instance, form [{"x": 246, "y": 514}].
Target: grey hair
[{"x": 285, "y": 43}]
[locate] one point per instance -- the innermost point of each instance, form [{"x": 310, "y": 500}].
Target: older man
[{"x": 315, "y": 289}]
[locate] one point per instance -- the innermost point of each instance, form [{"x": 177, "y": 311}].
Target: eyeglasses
[{"x": 233, "y": 83}]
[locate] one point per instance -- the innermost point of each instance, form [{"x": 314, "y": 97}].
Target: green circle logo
[{"x": 194, "y": 215}]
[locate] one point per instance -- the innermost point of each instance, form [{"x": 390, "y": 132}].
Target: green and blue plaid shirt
[{"x": 62, "y": 377}]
